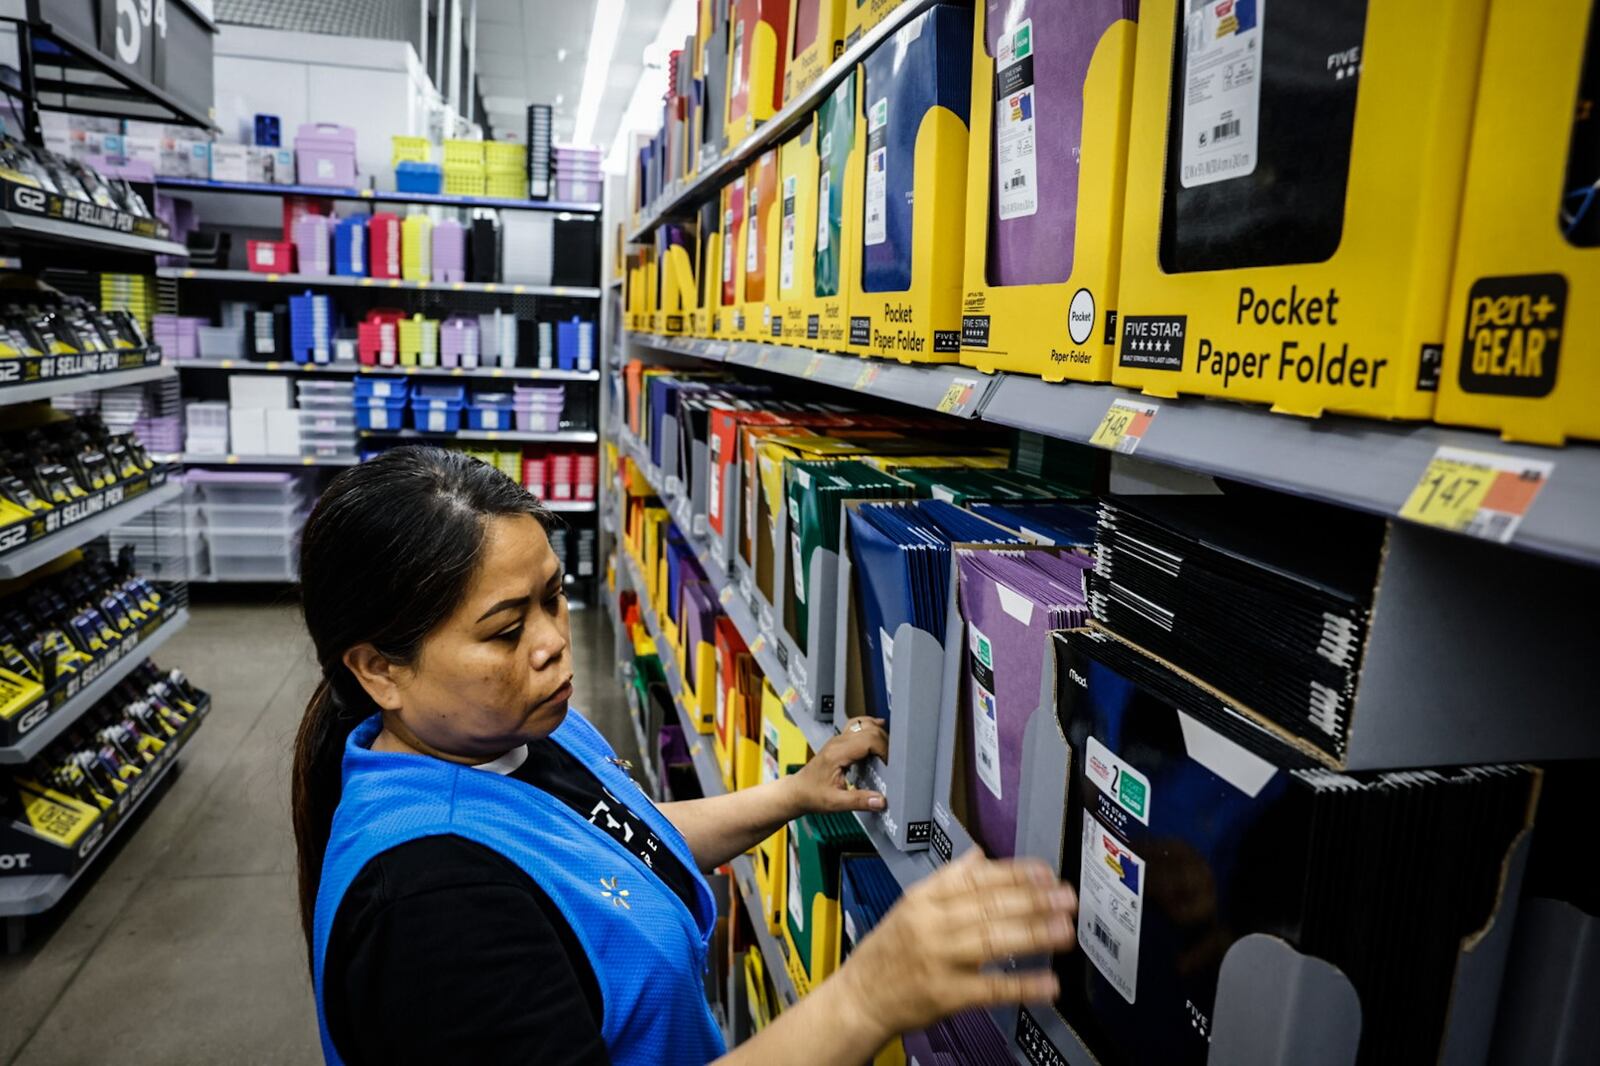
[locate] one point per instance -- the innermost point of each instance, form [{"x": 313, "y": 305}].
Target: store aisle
[{"x": 186, "y": 947}]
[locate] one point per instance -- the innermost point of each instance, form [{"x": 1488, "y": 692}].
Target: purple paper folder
[
  {"x": 1010, "y": 601},
  {"x": 1033, "y": 201},
  {"x": 697, "y": 624}
]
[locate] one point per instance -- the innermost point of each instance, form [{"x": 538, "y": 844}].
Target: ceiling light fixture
[{"x": 597, "y": 67}]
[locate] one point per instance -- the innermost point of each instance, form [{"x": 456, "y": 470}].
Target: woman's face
[{"x": 498, "y": 671}]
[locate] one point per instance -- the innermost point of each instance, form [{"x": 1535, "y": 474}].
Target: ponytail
[{"x": 385, "y": 556}]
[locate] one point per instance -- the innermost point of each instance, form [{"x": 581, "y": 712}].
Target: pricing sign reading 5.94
[{"x": 1480, "y": 494}]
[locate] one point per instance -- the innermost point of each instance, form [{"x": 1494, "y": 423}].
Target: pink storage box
[
  {"x": 313, "y": 244},
  {"x": 560, "y": 467},
  {"x": 582, "y": 191},
  {"x": 325, "y": 154},
  {"x": 449, "y": 251},
  {"x": 458, "y": 339},
  {"x": 584, "y": 479}
]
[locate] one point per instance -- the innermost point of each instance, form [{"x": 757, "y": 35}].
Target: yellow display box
[
  {"x": 676, "y": 293},
  {"x": 861, "y": 15},
  {"x": 816, "y": 39},
  {"x": 699, "y": 666},
  {"x": 703, "y": 320},
  {"x": 1522, "y": 341},
  {"x": 730, "y": 300},
  {"x": 1344, "y": 310},
  {"x": 783, "y": 751},
  {"x": 763, "y": 217},
  {"x": 759, "y": 31},
  {"x": 838, "y": 139},
  {"x": 1063, "y": 328},
  {"x": 796, "y": 236},
  {"x": 922, "y": 323}
]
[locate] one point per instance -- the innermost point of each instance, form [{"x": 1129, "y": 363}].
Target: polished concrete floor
[{"x": 183, "y": 945}]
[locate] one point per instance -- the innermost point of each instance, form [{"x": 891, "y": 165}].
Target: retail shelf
[
  {"x": 43, "y": 390},
  {"x": 1363, "y": 464},
  {"x": 37, "y": 893},
  {"x": 571, "y": 506},
  {"x": 381, "y": 196},
  {"x": 946, "y": 387},
  {"x": 251, "y": 277},
  {"x": 712, "y": 175},
  {"x": 508, "y": 373},
  {"x": 58, "y": 231},
  {"x": 567, "y": 436},
  {"x": 31, "y": 556},
  {"x": 777, "y": 965},
  {"x": 60, "y": 719},
  {"x": 199, "y": 459}
]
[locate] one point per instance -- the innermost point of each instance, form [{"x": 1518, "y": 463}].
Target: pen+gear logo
[{"x": 1511, "y": 344}]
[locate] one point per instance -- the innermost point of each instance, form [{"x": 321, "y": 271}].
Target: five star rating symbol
[
  {"x": 1151, "y": 345},
  {"x": 1341, "y": 73}
]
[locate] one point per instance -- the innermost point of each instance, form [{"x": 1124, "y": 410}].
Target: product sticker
[
  {"x": 722, "y": 695},
  {"x": 727, "y": 260},
  {"x": 799, "y": 575},
  {"x": 1016, "y": 173},
  {"x": 786, "y": 252},
  {"x": 769, "y": 751},
  {"x": 796, "y": 907},
  {"x": 1127, "y": 787},
  {"x": 752, "y": 239},
  {"x": 1110, "y": 906},
  {"x": 877, "y": 226},
  {"x": 358, "y": 251},
  {"x": 823, "y": 206},
  {"x": 985, "y": 724},
  {"x": 738, "y": 57},
  {"x": 886, "y": 646},
  {"x": 1223, "y": 40},
  {"x": 850, "y": 931}
]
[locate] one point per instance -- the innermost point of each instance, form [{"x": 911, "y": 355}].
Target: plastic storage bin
[
  {"x": 419, "y": 341},
  {"x": 270, "y": 257},
  {"x": 311, "y": 328},
  {"x": 575, "y": 344},
  {"x": 437, "y": 408},
  {"x": 313, "y": 244},
  {"x": 325, "y": 154},
  {"x": 279, "y": 518},
  {"x": 378, "y": 338},
  {"x": 418, "y": 176},
  {"x": 383, "y": 234},
  {"x": 458, "y": 342},
  {"x": 449, "y": 251},
  {"x": 262, "y": 487},
  {"x": 380, "y": 412},
  {"x": 220, "y": 342},
  {"x": 491, "y": 410},
  {"x": 226, "y": 567},
  {"x": 403, "y": 149},
  {"x": 416, "y": 248},
  {"x": 350, "y": 247}
]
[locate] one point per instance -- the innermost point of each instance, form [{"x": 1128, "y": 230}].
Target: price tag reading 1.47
[
  {"x": 1480, "y": 494},
  {"x": 1123, "y": 427}
]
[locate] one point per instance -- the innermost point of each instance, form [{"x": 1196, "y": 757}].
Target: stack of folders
[
  {"x": 1010, "y": 601},
  {"x": 817, "y": 844},
  {"x": 1195, "y": 827},
  {"x": 651, "y": 694},
  {"x": 1067, "y": 525},
  {"x": 697, "y": 619},
  {"x": 814, "y": 491},
  {"x": 527, "y": 248},
  {"x": 866, "y": 892},
  {"x": 1266, "y": 600},
  {"x": 927, "y": 65},
  {"x": 962, "y": 484},
  {"x": 968, "y": 1039},
  {"x": 901, "y": 561}
]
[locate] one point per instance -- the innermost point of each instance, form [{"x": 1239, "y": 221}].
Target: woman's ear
[{"x": 376, "y": 674}]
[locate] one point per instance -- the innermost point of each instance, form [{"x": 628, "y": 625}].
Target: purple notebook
[
  {"x": 1010, "y": 602},
  {"x": 1041, "y": 50}
]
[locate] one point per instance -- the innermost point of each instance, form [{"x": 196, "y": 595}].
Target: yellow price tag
[
  {"x": 789, "y": 696},
  {"x": 226, "y": 363},
  {"x": 308, "y": 460},
  {"x": 491, "y": 287},
  {"x": 272, "y": 277},
  {"x": 456, "y": 286},
  {"x": 868, "y": 375},
  {"x": 189, "y": 273},
  {"x": 957, "y": 395},
  {"x": 726, "y": 595},
  {"x": 394, "y": 283},
  {"x": 1481, "y": 494},
  {"x": 757, "y": 645},
  {"x": 272, "y": 364},
  {"x": 813, "y": 366},
  {"x": 1123, "y": 427},
  {"x": 366, "y": 283},
  {"x": 233, "y": 460}
]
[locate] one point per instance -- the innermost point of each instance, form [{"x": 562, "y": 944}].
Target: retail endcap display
[
  {"x": 55, "y": 473},
  {"x": 1189, "y": 826}
]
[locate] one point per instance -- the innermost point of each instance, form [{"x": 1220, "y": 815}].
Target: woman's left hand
[{"x": 823, "y": 785}]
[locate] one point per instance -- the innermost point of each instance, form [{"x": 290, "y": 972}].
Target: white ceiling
[{"x": 519, "y": 48}]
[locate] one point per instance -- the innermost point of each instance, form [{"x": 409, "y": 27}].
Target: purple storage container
[
  {"x": 325, "y": 154},
  {"x": 578, "y": 189},
  {"x": 313, "y": 243},
  {"x": 458, "y": 335},
  {"x": 449, "y": 251},
  {"x": 178, "y": 336}
]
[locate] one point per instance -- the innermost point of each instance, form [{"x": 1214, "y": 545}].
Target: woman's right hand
[{"x": 926, "y": 959}]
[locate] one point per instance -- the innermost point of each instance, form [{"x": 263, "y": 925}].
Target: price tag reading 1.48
[
  {"x": 1480, "y": 494},
  {"x": 957, "y": 396},
  {"x": 1123, "y": 427}
]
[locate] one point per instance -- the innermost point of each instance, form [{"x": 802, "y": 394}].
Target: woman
[{"x": 480, "y": 880}]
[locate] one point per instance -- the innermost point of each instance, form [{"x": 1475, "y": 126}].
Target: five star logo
[{"x": 617, "y": 896}]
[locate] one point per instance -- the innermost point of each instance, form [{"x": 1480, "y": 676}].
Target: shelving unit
[
  {"x": 21, "y": 226},
  {"x": 60, "y": 720},
  {"x": 1364, "y": 464},
  {"x": 505, "y": 373},
  {"x": 338, "y": 281},
  {"x": 200, "y": 459},
  {"x": 559, "y": 436},
  {"x": 378, "y": 196},
  {"x": 681, "y": 196},
  {"x": 43, "y": 390},
  {"x": 35, "y": 554}
]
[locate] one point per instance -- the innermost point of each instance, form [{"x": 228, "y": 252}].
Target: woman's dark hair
[{"x": 385, "y": 556}]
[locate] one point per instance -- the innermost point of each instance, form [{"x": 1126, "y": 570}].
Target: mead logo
[
  {"x": 32, "y": 718},
  {"x": 1077, "y": 678},
  {"x": 18, "y": 861},
  {"x": 28, "y": 199}
]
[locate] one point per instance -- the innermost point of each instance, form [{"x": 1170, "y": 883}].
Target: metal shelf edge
[
  {"x": 343, "y": 281},
  {"x": 32, "y": 556},
  {"x": 43, "y": 390}
]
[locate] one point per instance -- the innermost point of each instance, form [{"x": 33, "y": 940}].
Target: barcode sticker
[
  {"x": 1222, "y": 90},
  {"x": 1110, "y": 905},
  {"x": 1015, "y": 156}
]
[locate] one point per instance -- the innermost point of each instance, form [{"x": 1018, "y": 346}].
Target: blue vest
[{"x": 647, "y": 950}]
